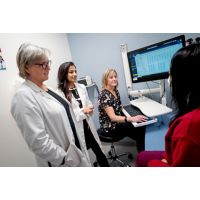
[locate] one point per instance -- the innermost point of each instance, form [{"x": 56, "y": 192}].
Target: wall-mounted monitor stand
[
  {"x": 124, "y": 50},
  {"x": 150, "y": 63},
  {"x": 129, "y": 84}
]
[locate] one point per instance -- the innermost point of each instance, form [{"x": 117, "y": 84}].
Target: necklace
[{"x": 112, "y": 92}]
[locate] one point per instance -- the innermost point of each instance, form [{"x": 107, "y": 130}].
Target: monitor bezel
[{"x": 158, "y": 76}]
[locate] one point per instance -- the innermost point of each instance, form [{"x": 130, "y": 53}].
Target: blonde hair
[
  {"x": 27, "y": 54},
  {"x": 105, "y": 77}
]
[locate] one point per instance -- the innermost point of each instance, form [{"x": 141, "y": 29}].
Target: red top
[{"x": 182, "y": 142}]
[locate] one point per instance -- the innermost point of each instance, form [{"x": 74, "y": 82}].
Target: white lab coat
[
  {"x": 80, "y": 116},
  {"x": 45, "y": 127}
]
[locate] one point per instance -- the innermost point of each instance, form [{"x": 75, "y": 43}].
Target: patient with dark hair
[{"x": 182, "y": 141}]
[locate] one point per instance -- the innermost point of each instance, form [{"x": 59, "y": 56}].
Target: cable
[
  {"x": 155, "y": 82},
  {"x": 163, "y": 93},
  {"x": 149, "y": 90}
]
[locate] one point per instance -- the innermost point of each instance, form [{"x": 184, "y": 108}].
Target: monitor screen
[{"x": 153, "y": 62}]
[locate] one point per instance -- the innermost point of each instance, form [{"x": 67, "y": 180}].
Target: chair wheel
[
  {"x": 95, "y": 164},
  {"x": 130, "y": 156},
  {"x": 109, "y": 153}
]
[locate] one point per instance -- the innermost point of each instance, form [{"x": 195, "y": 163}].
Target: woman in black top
[
  {"x": 77, "y": 95},
  {"x": 112, "y": 121}
]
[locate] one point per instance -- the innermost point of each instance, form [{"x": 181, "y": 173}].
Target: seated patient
[
  {"x": 182, "y": 141},
  {"x": 112, "y": 121}
]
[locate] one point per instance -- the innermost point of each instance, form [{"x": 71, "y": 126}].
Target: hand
[
  {"x": 88, "y": 110},
  {"x": 137, "y": 118},
  {"x": 164, "y": 160}
]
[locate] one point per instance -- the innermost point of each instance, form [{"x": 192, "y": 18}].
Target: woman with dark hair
[
  {"x": 77, "y": 96},
  {"x": 182, "y": 141}
]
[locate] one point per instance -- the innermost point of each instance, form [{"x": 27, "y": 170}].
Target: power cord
[
  {"x": 149, "y": 90},
  {"x": 163, "y": 94}
]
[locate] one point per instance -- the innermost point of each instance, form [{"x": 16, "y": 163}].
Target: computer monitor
[{"x": 153, "y": 62}]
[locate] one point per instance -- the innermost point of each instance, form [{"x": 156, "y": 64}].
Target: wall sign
[{"x": 2, "y": 62}]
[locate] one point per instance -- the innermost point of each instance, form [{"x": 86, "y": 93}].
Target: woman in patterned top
[{"x": 112, "y": 121}]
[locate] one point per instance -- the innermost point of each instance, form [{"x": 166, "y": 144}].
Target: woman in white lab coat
[
  {"x": 45, "y": 119},
  {"x": 77, "y": 95}
]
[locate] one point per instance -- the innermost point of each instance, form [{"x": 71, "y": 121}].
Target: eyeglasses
[{"x": 44, "y": 65}]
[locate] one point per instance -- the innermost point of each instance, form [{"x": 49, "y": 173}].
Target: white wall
[{"x": 13, "y": 149}]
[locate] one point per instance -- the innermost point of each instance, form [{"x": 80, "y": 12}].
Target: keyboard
[
  {"x": 133, "y": 110},
  {"x": 130, "y": 110}
]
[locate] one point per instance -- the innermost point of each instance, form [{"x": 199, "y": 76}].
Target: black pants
[
  {"x": 92, "y": 143},
  {"x": 128, "y": 130}
]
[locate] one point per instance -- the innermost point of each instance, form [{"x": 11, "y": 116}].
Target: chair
[{"x": 113, "y": 156}]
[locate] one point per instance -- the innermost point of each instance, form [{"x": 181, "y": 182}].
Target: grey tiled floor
[
  {"x": 123, "y": 146},
  {"x": 154, "y": 140}
]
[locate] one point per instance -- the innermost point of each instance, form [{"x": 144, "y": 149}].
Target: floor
[
  {"x": 154, "y": 140},
  {"x": 124, "y": 146}
]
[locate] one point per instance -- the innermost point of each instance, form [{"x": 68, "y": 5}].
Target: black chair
[{"x": 113, "y": 156}]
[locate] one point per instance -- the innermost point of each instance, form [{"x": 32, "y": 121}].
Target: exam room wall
[
  {"x": 13, "y": 150},
  {"x": 94, "y": 52}
]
